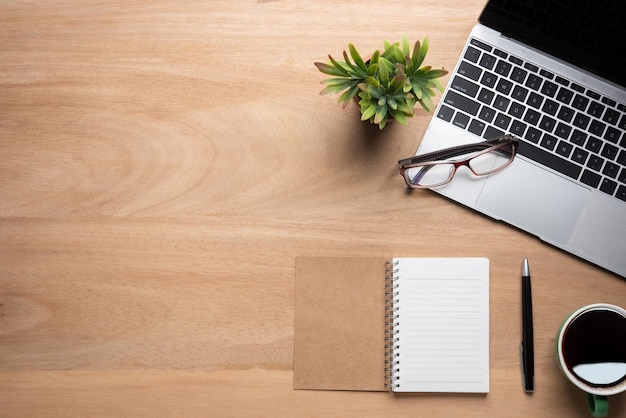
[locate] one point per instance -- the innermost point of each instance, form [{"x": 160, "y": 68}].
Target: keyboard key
[
  {"x": 534, "y": 100},
  {"x": 515, "y": 60},
  {"x": 609, "y": 151},
  {"x": 565, "y": 95},
  {"x": 608, "y": 186},
  {"x": 518, "y": 75},
  {"x": 562, "y": 130},
  {"x": 621, "y": 193},
  {"x": 491, "y": 133},
  {"x": 564, "y": 149},
  {"x": 487, "y": 61},
  {"x": 461, "y": 120},
  {"x": 580, "y": 156},
  {"x": 501, "y": 103},
  {"x": 533, "y": 81},
  {"x": 549, "y": 88},
  {"x": 533, "y": 135},
  {"x": 595, "y": 163},
  {"x": 611, "y": 116},
  {"x": 565, "y": 114},
  {"x": 532, "y": 117},
  {"x": 590, "y": 178},
  {"x": 487, "y": 114},
  {"x": 517, "y": 110},
  {"x": 464, "y": 86},
  {"x": 595, "y": 109},
  {"x": 546, "y": 74},
  {"x": 531, "y": 67},
  {"x": 622, "y": 176},
  {"x": 580, "y": 103},
  {"x": 594, "y": 144},
  {"x": 581, "y": 120},
  {"x": 578, "y": 137},
  {"x": 500, "y": 53},
  {"x": 502, "y": 121},
  {"x": 593, "y": 94},
  {"x": 596, "y": 128},
  {"x": 486, "y": 96},
  {"x": 470, "y": 71},
  {"x": 519, "y": 93},
  {"x": 503, "y": 68},
  {"x": 480, "y": 44},
  {"x": 608, "y": 101},
  {"x": 550, "y": 107},
  {"x": 547, "y": 123},
  {"x": 549, "y": 160},
  {"x": 488, "y": 79},
  {"x": 454, "y": 99},
  {"x": 621, "y": 160},
  {"x": 445, "y": 113},
  {"x": 504, "y": 86},
  {"x": 472, "y": 54},
  {"x": 578, "y": 88},
  {"x": 476, "y": 127},
  {"x": 561, "y": 81},
  {"x": 610, "y": 169},
  {"x": 548, "y": 142},
  {"x": 517, "y": 128},
  {"x": 612, "y": 134}
]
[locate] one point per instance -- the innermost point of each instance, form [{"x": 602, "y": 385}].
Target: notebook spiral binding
[{"x": 392, "y": 342}]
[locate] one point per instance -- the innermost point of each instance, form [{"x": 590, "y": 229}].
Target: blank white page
[{"x": 442, "y": 325}]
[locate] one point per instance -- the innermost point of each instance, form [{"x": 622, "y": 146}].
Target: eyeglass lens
[{"x": 438, "y": 173}]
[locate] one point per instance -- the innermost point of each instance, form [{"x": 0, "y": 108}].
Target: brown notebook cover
[
  {"x": 439, "y": 308},
  {"x": 347, "y": 295}
]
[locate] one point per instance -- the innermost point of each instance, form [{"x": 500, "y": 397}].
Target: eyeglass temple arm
[{"x": 455, "y": 151}]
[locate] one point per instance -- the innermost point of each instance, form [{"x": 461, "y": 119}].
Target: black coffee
[{"x": 594, "y": 347}]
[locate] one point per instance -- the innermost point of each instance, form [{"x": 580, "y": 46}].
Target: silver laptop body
[{"x": 567, "y": 185}]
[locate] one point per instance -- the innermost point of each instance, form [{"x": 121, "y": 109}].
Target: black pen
[{"x": 527, "y": 345}]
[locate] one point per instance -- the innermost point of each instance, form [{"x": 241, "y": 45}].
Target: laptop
[{"x": 552, "y": 73}]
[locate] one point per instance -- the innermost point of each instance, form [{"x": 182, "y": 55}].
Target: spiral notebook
[{"x": 404, "y": 325}]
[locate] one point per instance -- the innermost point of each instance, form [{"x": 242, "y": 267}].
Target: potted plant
[{"x": 388, "y": 84}]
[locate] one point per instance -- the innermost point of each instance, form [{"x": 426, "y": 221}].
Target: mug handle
[{"x": 598, "y": 405}]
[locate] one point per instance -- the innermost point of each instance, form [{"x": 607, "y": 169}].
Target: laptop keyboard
[{"x": 561, "y": 124}]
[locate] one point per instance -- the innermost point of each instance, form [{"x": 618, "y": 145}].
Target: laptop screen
[{"x": 588, "y": 34}]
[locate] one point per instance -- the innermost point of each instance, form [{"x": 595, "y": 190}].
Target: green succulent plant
[{"x": 387, "y": 85}]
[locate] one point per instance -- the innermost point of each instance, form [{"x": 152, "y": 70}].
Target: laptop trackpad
[{"x": 534, "y": 200}]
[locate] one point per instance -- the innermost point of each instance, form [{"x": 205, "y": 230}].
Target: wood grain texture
[{"x": 161, "y": 166}]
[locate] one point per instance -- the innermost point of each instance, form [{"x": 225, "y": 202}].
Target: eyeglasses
[{"x": 438, "y": 168}]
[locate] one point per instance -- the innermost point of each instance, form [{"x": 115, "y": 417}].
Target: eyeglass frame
[{"x": 443, "y": 157}]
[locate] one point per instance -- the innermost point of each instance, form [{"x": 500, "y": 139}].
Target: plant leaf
[
  {"x": 381, "y": 114},
  {"x": 435, "y": 73},
  {"x": 332, "y": 89},
  {"x": 330, "y": 69},
  {"x": 400, "y": 117},
  {"x": 419, "y": 52},
  {"x": 426, "y": 102},
  {"x": 406, "y": 49},
  {"x": 369, "y": 112},
  {"x": 356, "y": 71},
  {"x": 357, "y": 57},
  {"x": 383, "y": 72},
  {"x": 348, "y": 95}
]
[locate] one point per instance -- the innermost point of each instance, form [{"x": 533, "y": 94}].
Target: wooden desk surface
[{"x": 161, "y": 166}]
